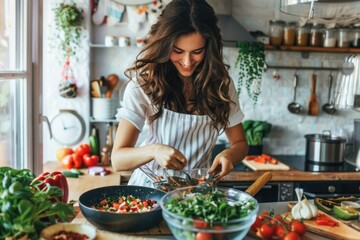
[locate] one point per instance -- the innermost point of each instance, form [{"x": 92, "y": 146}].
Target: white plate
[{"x": 47, "y": 232}]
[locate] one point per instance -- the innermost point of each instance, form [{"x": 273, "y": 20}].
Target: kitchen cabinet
[{"x": 312, "y": 49}]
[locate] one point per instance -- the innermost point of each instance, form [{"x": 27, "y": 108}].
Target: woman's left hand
[{"x": 224, "y": 163}]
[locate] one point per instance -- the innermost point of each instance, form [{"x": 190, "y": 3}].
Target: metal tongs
[{"x": 211, "y": 178}]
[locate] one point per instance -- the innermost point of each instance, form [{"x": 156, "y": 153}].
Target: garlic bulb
[{"x": 303, "y": 209}]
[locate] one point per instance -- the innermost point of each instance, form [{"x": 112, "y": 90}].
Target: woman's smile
[{"x": 188, "y": 53}]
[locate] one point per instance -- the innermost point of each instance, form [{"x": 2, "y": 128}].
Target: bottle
[
  {"x": 94, "y": 142},
  {"x": 289, "y": 33},
  {"x": 316, "y": 35},
  {"x": 302, "y": 35},
  {"x": 276, "y": 32},
  {"x": 330, "y": 37}
]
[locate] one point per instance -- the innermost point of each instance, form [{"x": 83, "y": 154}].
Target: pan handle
[{"x": 259, "y": 183}]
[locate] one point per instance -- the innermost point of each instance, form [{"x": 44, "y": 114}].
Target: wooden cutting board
[
  {"x": 342, "y": 231},
  {"x": 256, "y": 166}
]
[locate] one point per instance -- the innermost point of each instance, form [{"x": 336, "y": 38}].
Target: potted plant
[
  {"x": 251, "y": 65},
  {"x": 68, "y": 23},
  {"x": 255, "y": 132}
]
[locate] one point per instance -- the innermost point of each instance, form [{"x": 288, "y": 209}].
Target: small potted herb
[
  {"x": 68, "y": 20},
  {"x": 251, "y": 65},
  {"x": 255, "y": 132}
]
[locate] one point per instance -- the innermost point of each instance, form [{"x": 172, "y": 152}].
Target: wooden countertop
[{"x": 86, "y": 182}]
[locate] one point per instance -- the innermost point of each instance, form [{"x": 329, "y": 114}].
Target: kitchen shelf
[
  {"x": 92, "y": 45},
  {"x": 110, "y": 120},
  {"x": 312, "y": 49}
]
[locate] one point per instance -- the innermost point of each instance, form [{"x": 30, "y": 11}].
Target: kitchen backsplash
[{"x": 287, "y": 134}]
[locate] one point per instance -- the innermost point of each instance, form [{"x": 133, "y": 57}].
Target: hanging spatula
[{"x": 313, "y": 102}]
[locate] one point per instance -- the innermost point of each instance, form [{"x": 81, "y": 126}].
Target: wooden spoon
[
  {"x": 313, "y": 103},
  {"x": 111, "y": 82}
]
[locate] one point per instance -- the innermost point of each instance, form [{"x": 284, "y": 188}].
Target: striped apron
[{"x": 193, "y": 135}]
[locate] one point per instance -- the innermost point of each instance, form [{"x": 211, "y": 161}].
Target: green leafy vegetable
[
  {"x": 26, "y": 209},
  {"x": 256, "y": 131},
  {"x": 211, "y": 207}
]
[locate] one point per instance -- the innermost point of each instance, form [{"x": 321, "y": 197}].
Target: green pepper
[{"x": 345, "y": 213}]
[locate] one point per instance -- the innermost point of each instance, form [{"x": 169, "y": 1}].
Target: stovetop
[{"x": 298, "y": 162}]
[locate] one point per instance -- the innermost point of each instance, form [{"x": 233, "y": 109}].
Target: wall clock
[{"x": 68, "y": 127}]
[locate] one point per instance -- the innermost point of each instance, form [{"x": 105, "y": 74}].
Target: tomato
[
  {"x": 267, "y": 230},
  {"x": 83, "y": 149},
  {"x": 72, "y": 161},
  {"x": 264, "y": 214},
  {"x": 322, "y": 219},
  {"x": 203, "y": 236},
  {"x": 292, "y": 236},
  {"x": 199, "y": 223},
  {"x": 255, "y": 226},
  {"x": 298, "y": 227},
  {"x": 219, "y": 235},
  {"x": 90, "y": 161},
  {"x": 280, "y": 231}
]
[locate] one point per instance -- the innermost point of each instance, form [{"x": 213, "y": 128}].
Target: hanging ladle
[
  {"x": 294, "y": 107},
  {"x": 329, "y": 107}
]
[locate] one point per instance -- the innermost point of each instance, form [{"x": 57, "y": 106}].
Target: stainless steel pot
[{"x": 325, "y": 148}]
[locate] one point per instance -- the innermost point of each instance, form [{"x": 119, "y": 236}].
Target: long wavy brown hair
[{"x": 159, "y": 77}]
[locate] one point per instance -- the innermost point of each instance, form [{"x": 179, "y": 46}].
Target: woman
[{"x": 185, "y": 96}]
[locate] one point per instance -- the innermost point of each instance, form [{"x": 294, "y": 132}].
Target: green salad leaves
[{"x": 211, "y": 207}]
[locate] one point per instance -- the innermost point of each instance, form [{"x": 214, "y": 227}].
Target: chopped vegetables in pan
[
  {"x": 211, "y": 207},
  {"x": 126, "y": 204}
]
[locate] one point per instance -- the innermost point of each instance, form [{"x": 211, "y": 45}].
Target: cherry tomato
[
  {"x": 203, "y": 236},
  {"x": 280, "y": 231},
  {"x": 72, "y": 161},
  {"x": 292, "y": 236},
  {"x": 298, "y": 227},
  {"x": 83, "y": 149},
  {"x": 199, "y": 223},
  {"x": 267, "y": 230},
  {"x": 90, "y": 161},
  {"x": 219, "y": 235},
  {"x": 263, "y": 215},
  {"x": 255, "y": 226}
]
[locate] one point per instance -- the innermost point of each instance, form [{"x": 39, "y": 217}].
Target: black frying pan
[{"x": 116, "y": 222}]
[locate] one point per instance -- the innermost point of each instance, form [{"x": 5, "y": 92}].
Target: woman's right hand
[{"x": 169, "y": 157}]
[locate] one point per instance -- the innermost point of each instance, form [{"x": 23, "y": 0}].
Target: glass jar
[
  {"x": 316, "y": 35},
  {"x": 356, "y": 37},
  {"x": 330, "y": 37},
  {"x": 344, "y": 38},
  {"x": 276, "y": 32},
  {"x": 289, "y": 33},
  {"x": 302, "y": 35}
]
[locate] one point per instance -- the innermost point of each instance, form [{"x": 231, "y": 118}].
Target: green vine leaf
[
  {"x": 68, "y": 21},
  {"x": 251, "y": 64}
]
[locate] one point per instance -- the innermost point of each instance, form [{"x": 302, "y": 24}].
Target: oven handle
[
  {"x": 244, "y": 187},
  {"x": 333, "y": 195}
]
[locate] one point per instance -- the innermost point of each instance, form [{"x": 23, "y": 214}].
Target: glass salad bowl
[{"x": 204, "y": 212}]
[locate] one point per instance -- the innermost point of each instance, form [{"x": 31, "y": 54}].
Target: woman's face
[{"x": 188, "y": 53}]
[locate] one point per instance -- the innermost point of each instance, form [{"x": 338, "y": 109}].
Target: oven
[{"x": 271, "y": 192}]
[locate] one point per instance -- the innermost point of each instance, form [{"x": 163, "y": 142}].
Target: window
[{"x": 16, "y": 124}]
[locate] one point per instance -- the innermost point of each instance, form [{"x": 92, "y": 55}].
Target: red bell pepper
[{"x": 55, "y": 178}]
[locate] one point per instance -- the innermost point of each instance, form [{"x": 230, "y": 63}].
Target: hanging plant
[
  {"x": 68, "y": 20},
  {"x": 251, "y": 65}
]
